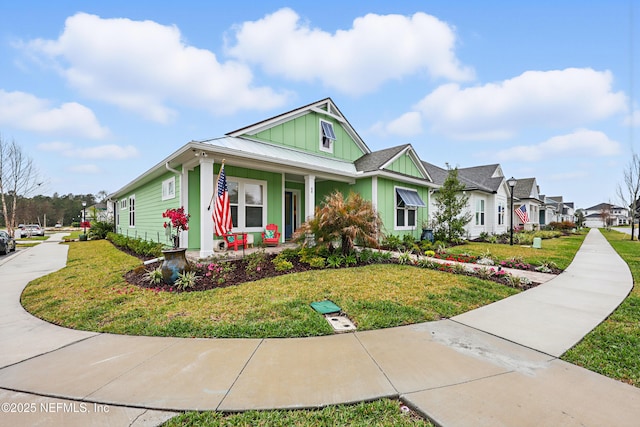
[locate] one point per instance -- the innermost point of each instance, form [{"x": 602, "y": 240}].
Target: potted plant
[{"x": 175, "y": 260}]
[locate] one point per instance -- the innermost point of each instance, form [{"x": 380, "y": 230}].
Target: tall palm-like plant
[{"x": 348, "y": 220}]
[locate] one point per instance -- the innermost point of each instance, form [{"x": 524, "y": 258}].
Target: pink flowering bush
[{"x": 179, "y": 221}]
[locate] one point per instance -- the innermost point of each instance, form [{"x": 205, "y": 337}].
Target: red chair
[
  {"x": 235, "y": 239},
  {"x": 271, "y": 236}
]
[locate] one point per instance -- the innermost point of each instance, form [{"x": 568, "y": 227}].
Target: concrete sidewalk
[{"x": 493, "y": 366}]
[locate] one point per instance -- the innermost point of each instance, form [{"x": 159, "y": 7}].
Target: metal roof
[{"x": 284, "y": 156}]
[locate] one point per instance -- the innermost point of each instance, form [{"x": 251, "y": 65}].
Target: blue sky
[{"x": 98, "y": 92}]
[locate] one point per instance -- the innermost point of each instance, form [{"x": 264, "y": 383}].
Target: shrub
[
  {"x": 255, "y": 262},
  {"x": 335, "y": 261},
  {"x": 350, "y": 259},
  {"x": 155, "y": 276},
  {"x": 281, "y": 263},
  {"x": 365, "y": 256},
  {"x": 100, "y": 229},
  {"x": 405, "y": 258},
  {"x": 138, "y": 246},
  {"x": 186, "y": 280},
  {"x": 317, "y": 262},
  {"x": 392, "y": 243},
  {"x": 347, "y": 220}
]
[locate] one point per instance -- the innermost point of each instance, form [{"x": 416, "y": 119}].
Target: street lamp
[
  {"x": 511, "y": 182},
  {"x": 84, "y": 218}
]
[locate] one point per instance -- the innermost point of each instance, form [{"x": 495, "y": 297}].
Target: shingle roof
[
  {"x": 437, "y": 174},
  {"x": 481, "y": 178},
  {"x": 524, "y": 188},
  {"x": 474, "y": 178},
  {"x": 374, "y": 160}
]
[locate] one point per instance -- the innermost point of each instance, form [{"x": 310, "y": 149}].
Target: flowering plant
[{"x": 179, "y": 221}]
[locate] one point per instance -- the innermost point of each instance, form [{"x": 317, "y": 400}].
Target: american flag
[
  {"x": 522, "y": 214},
  {"x": 222, "y": 210}
]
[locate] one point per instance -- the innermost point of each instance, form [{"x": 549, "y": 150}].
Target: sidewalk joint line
[{"x": 240, "y": 373}]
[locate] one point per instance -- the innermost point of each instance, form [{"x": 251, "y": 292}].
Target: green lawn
[
  {"x": 380, "y": 413},
  {"x": 559, "y": 250},
  {"x": 91, "y": 294},
  {"x": 613, "y": 348}
]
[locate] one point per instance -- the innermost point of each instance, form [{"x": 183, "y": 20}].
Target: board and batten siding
[
  {"x": 387, "y": 203},
  {"x": 405, "y": 165},
  {"x": 303, "y": 133}
]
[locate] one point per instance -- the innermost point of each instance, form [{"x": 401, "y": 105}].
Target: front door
[{"x": 291, "y": 220}]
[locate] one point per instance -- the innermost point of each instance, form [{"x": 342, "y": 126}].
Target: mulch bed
[
  {"x": 235, "y": 277},
  {"x": 238, "y": 275}
]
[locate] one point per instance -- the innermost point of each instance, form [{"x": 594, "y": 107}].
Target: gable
[
  {"x": 304, "y": 128},
  {"x": 405, "y": 163},
  {"x": 305, "y": 133}
]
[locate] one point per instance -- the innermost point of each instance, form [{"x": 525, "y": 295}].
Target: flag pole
[{"x": 216, "y": 186}]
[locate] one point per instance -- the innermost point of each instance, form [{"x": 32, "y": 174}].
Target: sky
[{"x": 98, "y": 92}]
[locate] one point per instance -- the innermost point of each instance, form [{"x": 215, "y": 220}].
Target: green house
[{"x": 278, "y": 171}]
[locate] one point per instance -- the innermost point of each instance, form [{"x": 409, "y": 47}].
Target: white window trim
[
  {"x": 405, "y": 209},
  {"x": 169, "y": 184},
  {"x": 123, "y": 204},
  {"x": 331, "y": 142},
  {"x": 480, "y": 214},
  {"x": 132, "y": 211},
  {"x": 242, "y": 204},
  {"x": 501, "y": 212}
]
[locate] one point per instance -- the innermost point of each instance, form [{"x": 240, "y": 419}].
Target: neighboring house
[
  {"x": 488, "y": 197},
  {"x": 278, "y": 171},
  {"x": 599, "y": 215},
  {"x": 100, "y": 212},
  {"x": 527, "y": 193},
  {"x": 555, "y": 209},
  {"x": 548, "y": 211}
]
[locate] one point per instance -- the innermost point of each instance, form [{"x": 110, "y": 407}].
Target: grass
[
  {"x": 613, "y": 348},
  {"x": 383, "y": 412},
  {"x": 560, "y": 250},
  {"x": 90, "y": 294}
]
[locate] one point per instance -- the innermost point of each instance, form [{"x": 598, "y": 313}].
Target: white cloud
[
  {"x": 409, "y": 124},
  {"x": 55, "y": 146},
  {"x": 104, "y": 152},
  {"x": 377, "y": 48},
  {"x": 144, "y": 67},
  {"x": 581, "y": 143},
  {"x": 25, "y": 111},
  {"x": 551, "y": 99}
]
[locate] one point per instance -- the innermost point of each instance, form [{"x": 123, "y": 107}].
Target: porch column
[
  {"x": 309, "y": 195},
  {"x": 206, "y": 191}
]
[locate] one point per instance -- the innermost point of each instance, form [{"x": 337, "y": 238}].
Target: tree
[
  {"x": 605, "y": 216},
  {"x": 629, "y": 191},
  {"x": 18, "y": 178},
  {"x": 450, "y": 202},
  {"x": 348, "y": 220},
  {"x": 580, "y": 218}
]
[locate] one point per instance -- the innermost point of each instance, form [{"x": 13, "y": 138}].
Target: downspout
[{"x": 170, "y": 169}]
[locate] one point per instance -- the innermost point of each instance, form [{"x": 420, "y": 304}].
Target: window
[
  {"x": 407, "y": 202},
  {"x": 248, "y": 203},
  {"x": 480, "y": 212},
  {"x": 132, "y": 211},
  {"x": 327, "y": 136},
  {"x": 123, "y": 204},
  {"x": 169, "y": 188},
  {"x": 501, "y": 213}
]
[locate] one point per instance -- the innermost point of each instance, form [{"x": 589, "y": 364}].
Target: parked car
[
  {"x": 30, "y": 230},
  {"x": 7, "y": 243}
]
